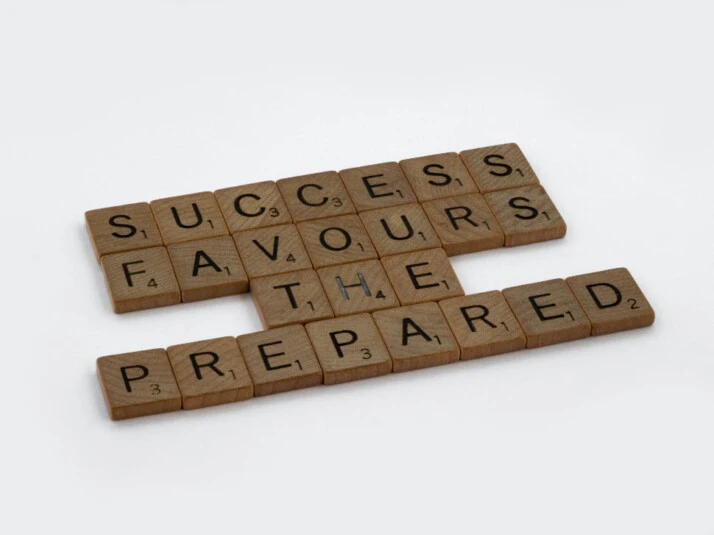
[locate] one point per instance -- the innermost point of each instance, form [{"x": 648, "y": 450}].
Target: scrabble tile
[
  {"x": 287, "y": 298},
  {"x": 122, "y": 228},
  {"x": 253, "y": 206},
  {"x": 280, "y": 360},
  {"x": 400, "y": 229},
  {"x": 210, "y": 372},
  {"x": 548, "y": 312},
  {"x": 357, "y": 287},
  {"x": 612, "y": 301},
  {"x": 336, "y": 240},
  {"x": 349, "y": 348},
  {"x": 438, "y": 176},
  {"x": 464, "y": 224},
  {"x": 483, "y": 325},
  {"x": 138, "y": 384},
  {"x": 499, "y": 167},
  {"x": 422, "y": 276},
  {"x": 208, "y": 268},
  {"x": 377, "y": 186},
  {"x": 271, "y": 250},
  {"x": 526, "y": 215},
  {"x": 189, "y": 217},
  {"x": 141, "y": 279},
  {"x": 315, "y": 196},
  {"x": 417, "y": 336}
]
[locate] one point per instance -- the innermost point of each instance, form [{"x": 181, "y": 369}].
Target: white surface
[{"x": 105, "y": 103}]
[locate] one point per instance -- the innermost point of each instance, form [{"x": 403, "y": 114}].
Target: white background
[{"x": 106, "y": 103}]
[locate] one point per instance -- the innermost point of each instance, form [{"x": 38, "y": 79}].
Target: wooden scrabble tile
[
  {"x": 612, "y": 301},
  {"x": 271, "y": 250},
  {"x": 526, "y": 215},
  {"x": 417, "y": 336},
  {"x": 315, "y": 196},
  {"x": 349, "y": 348},
  {"x": 336, "y": 240},
  {"x": 138, "y": 384},
  {"x": 357, "y": 287},
  {"x": 189, "y": 217},
  {"x": 465, "y": 224},
  {"x": 548, "y": 312},
  {"x": 140, "y": 279},
  {"x": 280, "y": 360},
  {"x": 122, "y": 228},
  {"x": 287, "y": 298},
  {"x": 208, "y": 268},
  {"x": 483, "y": 325},
  {"x": 377, "y": 186},
  {"x": 438, "y": 176},
  {"x": 499, "y": 167},
  {"x": 253, "y": 206},
  {"x": 422, "y": 276},
  {"x": 210, "y": 372},
  {"x": 400, "y": 229}
]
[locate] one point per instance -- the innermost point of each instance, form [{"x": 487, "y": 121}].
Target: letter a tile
[
  {"x": 141, "y": 279},
  {"x": 138, "y": 384},
  {"x": 417, "y": 336},
  {"x": 612, "y": 300},
  {"x": 548, "y": 312},
  {"x": 280, "y": 360}
]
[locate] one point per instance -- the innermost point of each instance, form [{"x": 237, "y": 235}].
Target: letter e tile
[
  {"x": 548, "y": 312},
  {"x": 280, "y": 360}
]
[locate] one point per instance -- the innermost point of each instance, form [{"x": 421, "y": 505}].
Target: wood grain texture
[
  {"x": 483, "y": 325},
  {"x": 464, "y": 224},
  {"x": 422, "y": 276},
  {"x": 357, "y": 287},
  {"x": 526, "y": 215},
  {"x": 138, "y": 384},
  {"x": 208, "y": 268},
  {"x": 377, "y": 186},
  {"x": 210, "y": 372},
  {"x": 336, "y": 240},
  {"x": 253, "y": 206},
  {"x": 438, "y": 176},
  {"x": 417, "y": 336},
  {"x": 271, "y": 250},
  {"x": 612, "y": 301},
  {"x": 548, "y": 312},
  {"x": 315, "y": 196},
  {"x": 400, "y": 229},
  {"x": 499, "y": 167},
  {"x": 142, "y": 279},
  {"x": 280, "y": 360},
  {"x": 349, "y": 348},
  {"x": 122, "y": 228},
  {"x": 288, "y": 298},
  {"x": 189, "y": 217}
]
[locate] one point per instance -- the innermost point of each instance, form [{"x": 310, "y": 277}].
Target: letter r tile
[
  {"x": 612, "y": 300},
  {"x": 548, "y": 312}
]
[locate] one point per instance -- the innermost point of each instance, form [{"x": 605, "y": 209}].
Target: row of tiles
[
  {"x": 218, "y": 266},
  {"x": 361, "y": 346},
  {"x": 158, "y": 277},
  {"x": 315, "y": 196}
]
